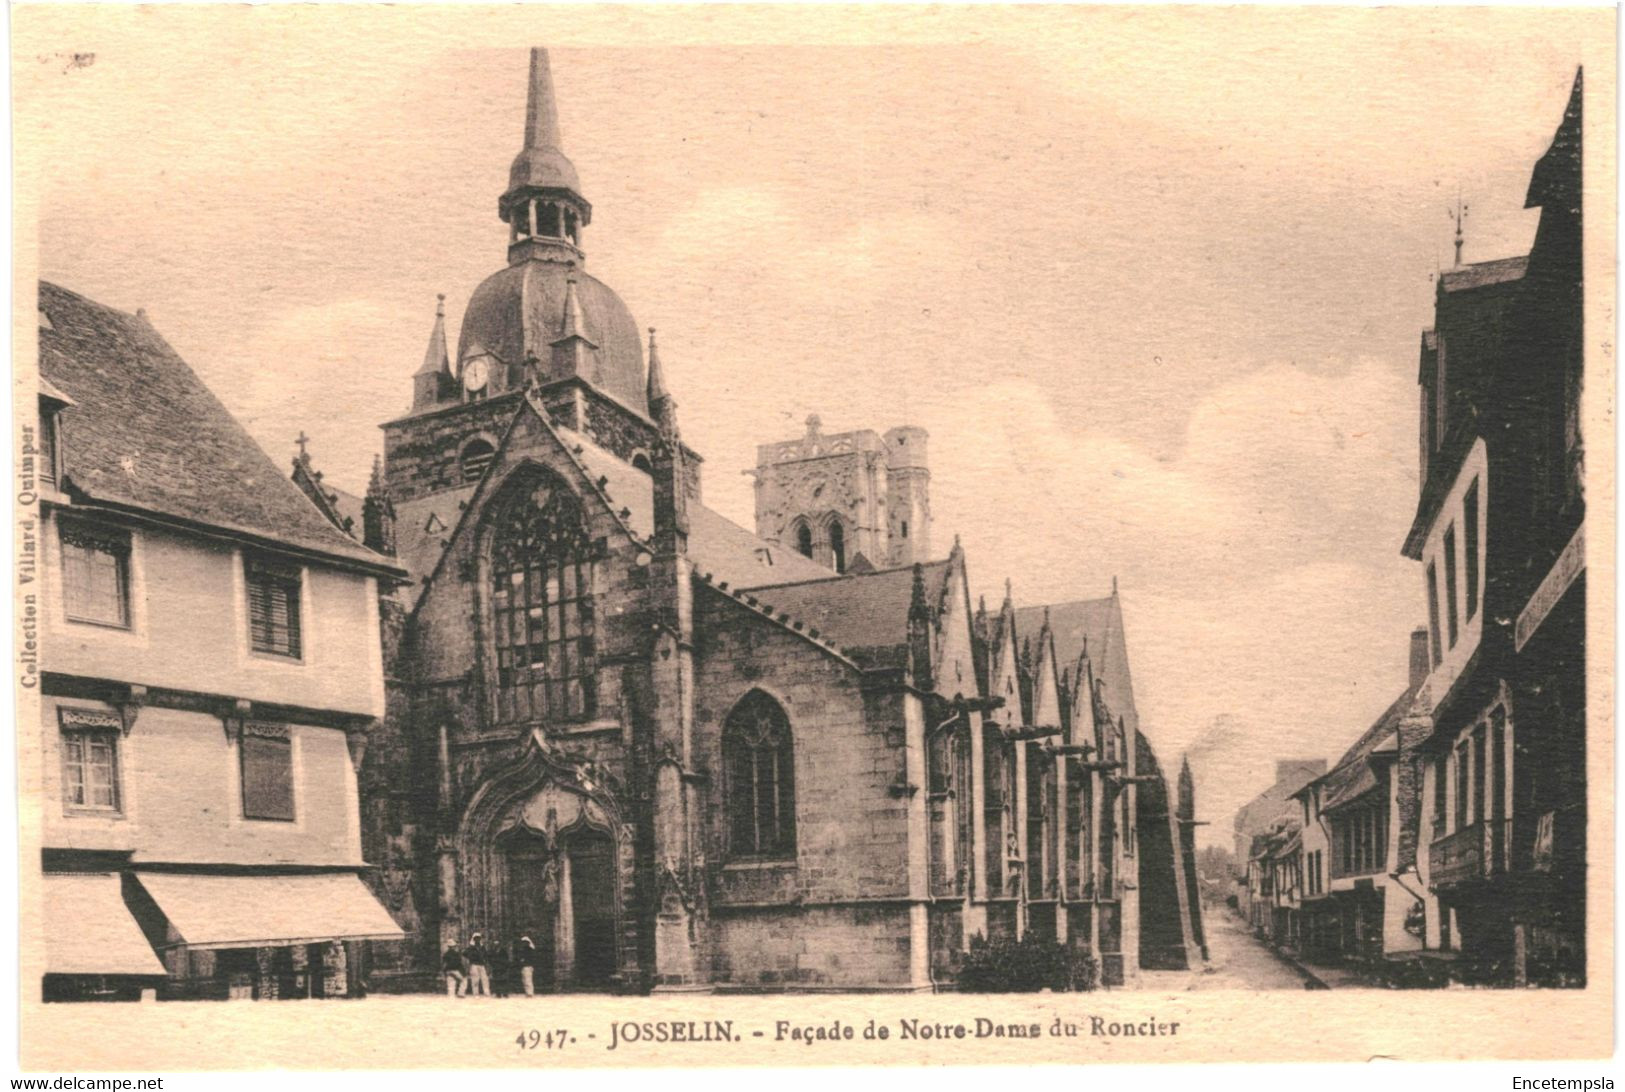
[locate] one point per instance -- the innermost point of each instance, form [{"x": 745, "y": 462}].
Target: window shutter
[
  {"x": 267, "y": 771},
  {"x": 273, "y": 608}
]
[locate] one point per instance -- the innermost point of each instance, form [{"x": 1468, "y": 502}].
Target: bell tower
[
  {"x": 838, "y": 498},
  {"x": 543, "y": 206}
]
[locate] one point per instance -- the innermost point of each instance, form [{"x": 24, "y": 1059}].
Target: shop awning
[
  {"x": 88, "y": 929},
  {"x": 230, "y": 911}
]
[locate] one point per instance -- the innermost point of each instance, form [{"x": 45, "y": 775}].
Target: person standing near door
[
  {"x": 525, "y": 958},
  {"x": 479, "y": 968},
  {"x": 451, "y": 965}
]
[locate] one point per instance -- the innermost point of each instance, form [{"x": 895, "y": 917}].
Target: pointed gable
[
  {"x": 1045, "y": 681},
  {"x": 1006, "y": 661},
  {"x": 1098, "y": 625}
]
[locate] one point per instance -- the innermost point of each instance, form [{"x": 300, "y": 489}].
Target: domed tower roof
[
  {"x": 526, "y": 312},
  {"x": 519, "y": 314}
]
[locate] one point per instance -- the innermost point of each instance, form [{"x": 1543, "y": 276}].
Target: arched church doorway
[
  {"x": 532, "y": 887},
  {"x": 592, "y": 907}
]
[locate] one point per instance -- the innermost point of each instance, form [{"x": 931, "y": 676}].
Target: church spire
[
  {"x": 430, "y": 381},
  {"x": 543, "y": 205},
  {"x": 378, "y": 513},
  {"x": 572, "y": 349},
  {"x": 572, "y": 323},
  {"x": 661, "y": 404},
  {"x": 541, "y": 111}
]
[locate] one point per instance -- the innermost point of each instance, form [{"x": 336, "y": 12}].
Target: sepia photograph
[{"x": 663, "y": 536}]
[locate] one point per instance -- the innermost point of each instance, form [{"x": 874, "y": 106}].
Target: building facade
[
  {"x": 1257, "y": 830},
  {"x": 1360, "y": 895},
  {"x": 210, "y": 674},
  {"x": 1499, "y": 529},
  {"x": 682, "y": 756}
]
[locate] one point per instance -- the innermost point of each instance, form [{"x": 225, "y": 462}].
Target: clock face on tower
[{"x": 476, "y": 374}]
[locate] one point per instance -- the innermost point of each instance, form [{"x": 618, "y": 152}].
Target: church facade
[{"x": 678, "y": 754}]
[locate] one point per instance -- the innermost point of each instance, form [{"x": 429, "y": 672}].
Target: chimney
[{"x": 1420, "y": 663}]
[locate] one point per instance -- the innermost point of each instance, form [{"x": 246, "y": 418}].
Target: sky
[{"x": 1153, "y": 280}]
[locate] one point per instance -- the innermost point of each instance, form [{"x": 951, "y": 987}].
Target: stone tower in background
[{"x": 849, "y": 495}]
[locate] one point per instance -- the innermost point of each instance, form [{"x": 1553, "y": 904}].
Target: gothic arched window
[
  {"x": 761, "y": 790},
  {"x": 804, "y": 540},
  {"x": 541, "y": 597},
  {"x": 837, "y": 546}
]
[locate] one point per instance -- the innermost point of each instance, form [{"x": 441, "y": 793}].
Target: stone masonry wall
[
  {"x": 851, "y": 830},
  {"x": 832, "y": 946}
]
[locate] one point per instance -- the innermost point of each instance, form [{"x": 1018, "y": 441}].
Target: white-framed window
[{"x": 90, "y": 761}]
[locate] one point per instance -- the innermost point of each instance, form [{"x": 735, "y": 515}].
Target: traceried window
[
  {"x": 266, "y": 758},
  {"x": 542, "y": 611},
  {"x": 95, "y": 574},
  {"x": 804, "y": 540},
  {"x": 1040, "y": 814},
  {"x": 274, "y": 626},
  {"x": 90, "y": 774},
  {"x": 760, "y": 762},
  {"x": 837, "y": 546},
  {"x": 1000, "y": 790},
  {"x": 1077, "y": 826},
  {"x": 949, "y": 769}
]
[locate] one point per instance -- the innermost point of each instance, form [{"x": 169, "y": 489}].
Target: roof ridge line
[
  {"x": 837, "y": 576},
  {"x": 780, "y": 618}
]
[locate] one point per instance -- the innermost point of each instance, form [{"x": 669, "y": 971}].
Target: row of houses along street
[{"x": 1448, "y": 843}]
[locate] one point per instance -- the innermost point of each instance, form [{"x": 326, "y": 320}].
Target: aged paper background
[{"x": 305, "y": 45}]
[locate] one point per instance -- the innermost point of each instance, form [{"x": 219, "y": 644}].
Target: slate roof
[
  {"x": 716, "y": 544},
  {"x": 864, "y": 615},
  {"x": 423, "y": 528},
  {"x": 144, "y": 432},
  {"x": 1353, "y": 777},
  {"x": 1480, "y": 274},
  {"x": 1275, "y": 802},
  {"x": 1099, "y": 622}
]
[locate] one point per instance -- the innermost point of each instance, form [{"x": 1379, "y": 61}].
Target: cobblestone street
[{"x": 1237, "y": 962}]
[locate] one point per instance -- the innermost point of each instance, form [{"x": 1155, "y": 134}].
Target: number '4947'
[{"x": 554, "y": 1039}]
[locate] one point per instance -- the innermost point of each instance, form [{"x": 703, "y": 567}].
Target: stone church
[{"x": 682, "y": 755}]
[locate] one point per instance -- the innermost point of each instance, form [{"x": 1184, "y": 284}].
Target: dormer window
[
  {"x": 46, "y": 469},
  {"x": 48, "y": 461}
]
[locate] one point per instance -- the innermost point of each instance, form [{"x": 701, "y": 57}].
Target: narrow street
[{"x": 1236, "y": 962}]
